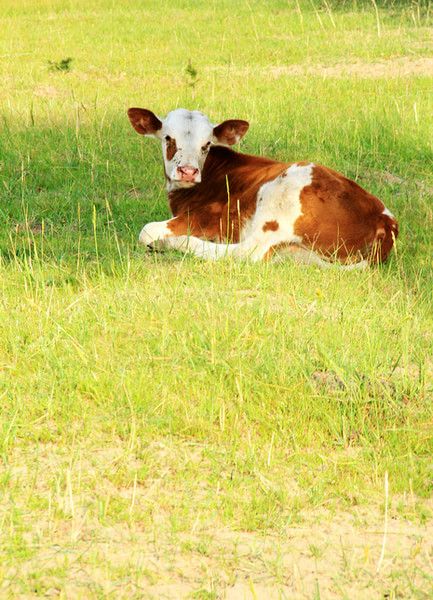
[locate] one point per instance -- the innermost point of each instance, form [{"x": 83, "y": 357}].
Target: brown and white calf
[{"x": 227, "y": 203}]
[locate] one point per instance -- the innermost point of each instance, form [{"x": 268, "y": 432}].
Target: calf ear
[
  {"x": 144, "y": 121},
  {"x": 230, "y": 132}
]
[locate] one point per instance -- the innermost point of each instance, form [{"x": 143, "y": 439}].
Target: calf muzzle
[{"x": 190, "y": 174}]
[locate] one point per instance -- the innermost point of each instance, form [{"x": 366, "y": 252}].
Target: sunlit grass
[{"x": 149, "y": 397}]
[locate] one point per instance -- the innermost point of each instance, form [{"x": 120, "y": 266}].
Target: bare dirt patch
[
  {"x": 395, "y": 67},
  {"x": 46, "y": 91},
  {"x": 333, "y": 555},
  {"x": 70, "y": 546}
]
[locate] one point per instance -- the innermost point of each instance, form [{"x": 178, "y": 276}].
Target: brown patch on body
[
  {"x": 271, "y": 226},
  {"x": 216, "y": 208},
  {"x": 341, "y": 219}
]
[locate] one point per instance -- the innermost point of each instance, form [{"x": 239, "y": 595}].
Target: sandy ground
[
  {"x": 395, "y": 67},
  {"x": 72, "y": 552},
  {"x": 333, "y": 556}
]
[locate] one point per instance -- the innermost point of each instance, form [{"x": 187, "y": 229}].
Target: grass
[{"x": 172, "y": 428}]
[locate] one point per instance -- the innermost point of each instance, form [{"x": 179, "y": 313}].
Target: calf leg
[
  {"x": 249, "y": 248},
  {"x": 255, "y": 248},
  {"x": 161, "y": 233},
  {"x": 307, "y": 256},
  {"x": 252, "y": 250},
  {"x": 174, "y": 232}
]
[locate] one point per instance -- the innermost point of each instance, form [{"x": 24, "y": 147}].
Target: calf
[{"x": 227, "y": 203}]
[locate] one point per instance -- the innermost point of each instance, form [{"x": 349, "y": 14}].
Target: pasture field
[{"x": 171, "y": 428}]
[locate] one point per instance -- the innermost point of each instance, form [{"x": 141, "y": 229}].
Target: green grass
[{"x": 172, "y": 428}]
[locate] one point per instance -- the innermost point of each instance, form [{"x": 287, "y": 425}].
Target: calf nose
[{"x": 187, "y": 173}]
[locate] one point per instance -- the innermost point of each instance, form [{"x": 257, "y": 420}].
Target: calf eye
[
  {"x": 205, "y": 147},
  {"x": 167, "y": 138}
]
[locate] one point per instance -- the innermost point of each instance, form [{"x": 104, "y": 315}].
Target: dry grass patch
[{"x": 99, "y": 523}]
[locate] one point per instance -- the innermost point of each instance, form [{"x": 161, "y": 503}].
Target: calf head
[{"x": 186, "y": 138}]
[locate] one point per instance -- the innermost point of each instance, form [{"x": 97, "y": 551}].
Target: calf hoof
[
  {"x": 144, "y": 238},
  {"x": 153, "y": 232}
]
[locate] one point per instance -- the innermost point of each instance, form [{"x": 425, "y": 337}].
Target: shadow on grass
[{"x": 104, "y": 184}]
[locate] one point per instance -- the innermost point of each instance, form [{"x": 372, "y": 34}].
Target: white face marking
[
  {"x": 388, "y": 213},
  {"x": 186, "y": 136}
]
